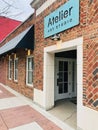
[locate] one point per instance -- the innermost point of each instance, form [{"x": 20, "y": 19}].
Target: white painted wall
[
  {"x": 87, "y": 118},
  {"x": 39, "y": 97}
]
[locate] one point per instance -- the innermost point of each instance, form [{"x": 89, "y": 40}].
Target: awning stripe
[{"x": 15, "y": 41}]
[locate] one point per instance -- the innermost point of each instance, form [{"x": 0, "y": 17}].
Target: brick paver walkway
[
  {"x": 5, "y": 93},
  {"x": 13, "y": 117}
]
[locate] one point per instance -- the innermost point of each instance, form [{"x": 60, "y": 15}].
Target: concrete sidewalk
[{"x": 20, "y": 113}]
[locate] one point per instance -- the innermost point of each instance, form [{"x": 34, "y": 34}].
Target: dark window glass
[
  {"x": 65, "y": 87},
  {"x": 60, "y": 88},
  {"x": 65, "y": 66},
  {"x": 65, "y": 76},
  {"x": 60, "y": 65},
  {"x": 60, "y": 76}
]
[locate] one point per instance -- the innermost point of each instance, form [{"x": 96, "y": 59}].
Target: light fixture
[
  {"x": 59, "y": 44},
  {"x": 55, "y": 37},
  {"x": 14, "y": 55},
  {"x": 28, "y": 52},
  {"x": 9, "y": 57}
]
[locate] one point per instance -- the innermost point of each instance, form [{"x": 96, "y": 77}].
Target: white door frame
[
  {"x": 49, "y": 68},
  {"x": 45, "y": 98}
]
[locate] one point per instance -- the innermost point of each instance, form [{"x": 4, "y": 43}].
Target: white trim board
[{"x": 44, "y": 6}]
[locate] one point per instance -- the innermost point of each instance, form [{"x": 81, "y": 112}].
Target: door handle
[{"x": 57, "y": 74}]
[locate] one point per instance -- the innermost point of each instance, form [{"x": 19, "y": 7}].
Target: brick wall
[
  {"x": 91, "y": 66},
  {"x": 3, "y": 70},
  {"x": 91, "y": 57},
  {"x": 21, "y": 55},
  {"x": 19, "y": 86},
  {"x": 88, "y": 28}
]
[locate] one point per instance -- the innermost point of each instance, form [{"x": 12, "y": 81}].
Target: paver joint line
[{"x": 3, "y": 121}]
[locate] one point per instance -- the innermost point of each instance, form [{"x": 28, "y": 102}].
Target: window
[
  {"x": 29, "y": 77},
  {"x": 10, "y": 69},
  {"x": 16, "y": 69}
]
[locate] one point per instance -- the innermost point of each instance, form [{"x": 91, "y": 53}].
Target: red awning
[{"x": 7, "y": 26}]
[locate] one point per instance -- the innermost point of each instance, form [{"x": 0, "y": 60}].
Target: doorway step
[{"x": 66, "y": 111}]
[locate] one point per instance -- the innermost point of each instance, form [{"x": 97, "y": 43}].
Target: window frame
[
  {"x": 27, "y": 83},
  {"x": 10, "y": 69},
  {"x": 15, "y": 69}
]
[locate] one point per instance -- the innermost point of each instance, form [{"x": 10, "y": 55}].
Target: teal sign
[{"x": 61, "y": 19}]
